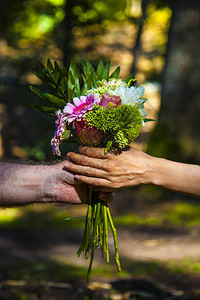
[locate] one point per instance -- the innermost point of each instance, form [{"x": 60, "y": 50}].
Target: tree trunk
[
  {"x": 67, "y": 35},
  {"x": 137, "y": 47},
  {"x": 177, "y": 135}
]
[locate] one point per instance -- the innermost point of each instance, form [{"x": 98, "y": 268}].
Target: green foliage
[
  {"x": 121, "y": 125},
  {"x": 63, "y": 85}
]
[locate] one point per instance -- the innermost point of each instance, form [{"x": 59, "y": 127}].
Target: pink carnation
[
  {"x": 76, "y": 111},
  {"x": 87, "y": 135}
]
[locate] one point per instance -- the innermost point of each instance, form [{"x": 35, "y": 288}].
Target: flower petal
[
  {"x": 69, "y": 108},
  {"x": 76, "y": 101},
  {"x": 83, "y": 99}
]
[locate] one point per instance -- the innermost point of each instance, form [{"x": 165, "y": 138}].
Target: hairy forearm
[
  {"x": 175, "y": 176},
  {"x": 21, "y": 184}
]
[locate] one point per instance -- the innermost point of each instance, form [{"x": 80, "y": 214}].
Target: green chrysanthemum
[{"x": 121, "y": 125}]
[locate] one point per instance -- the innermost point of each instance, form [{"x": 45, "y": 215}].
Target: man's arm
[{"x": 25, "y": 184}]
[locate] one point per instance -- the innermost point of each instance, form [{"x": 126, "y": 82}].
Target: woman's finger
[
  {"x": 85, "y": 170},
  {"x": 86, "y": 161},
  {"x": 93, "y": 152},
  {"x": 94, "y": 181}
]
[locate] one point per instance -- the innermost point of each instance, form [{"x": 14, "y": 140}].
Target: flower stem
[
  {"x": 115, "y": 240},
  {"x": 106, "y": 249},
  {"x": 97, "y": 215},
  {"x": 88, "y": 224}
]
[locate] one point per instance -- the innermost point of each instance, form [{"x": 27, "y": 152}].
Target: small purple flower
[
  {"x": 60, "y": 128},
  {"x": 76, "y": 111}
]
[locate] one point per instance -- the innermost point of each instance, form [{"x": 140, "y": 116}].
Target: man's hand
[
  {"x": 26, "y": 184},
  {"x": 61, "y": 186}
]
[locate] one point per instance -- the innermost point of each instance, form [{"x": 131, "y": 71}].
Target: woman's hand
[{"x": 112, "y": 171}]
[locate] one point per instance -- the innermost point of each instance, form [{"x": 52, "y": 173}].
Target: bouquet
[{"x": 96, "y": 109}]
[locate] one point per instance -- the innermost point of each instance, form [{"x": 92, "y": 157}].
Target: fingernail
[
  {"x": 77, "y": 176},
  {"x": 68, "y": 154},
  {"x": 66, "y": 165}
]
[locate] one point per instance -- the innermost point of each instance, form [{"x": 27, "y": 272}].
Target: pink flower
[
  {"x": 110, "y": 101},
  {"x": 87, "y": 135},
  {"x": 76, "y": 111},
  {"x": 60, "y": 128}
]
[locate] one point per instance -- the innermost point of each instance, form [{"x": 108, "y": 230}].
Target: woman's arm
[{"x": 131, "y": 168}]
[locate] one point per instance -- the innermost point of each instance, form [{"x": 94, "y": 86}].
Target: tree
[{"x": 176, "y": 136}]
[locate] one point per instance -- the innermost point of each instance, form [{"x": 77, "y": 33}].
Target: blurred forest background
[{"x": 159, "y": 231}]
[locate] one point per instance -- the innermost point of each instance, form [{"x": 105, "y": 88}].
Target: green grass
[
  {"x": 43, "y": 217},
  {"x": 184, "y": 214},
  {"x": 185, "y": 266}
]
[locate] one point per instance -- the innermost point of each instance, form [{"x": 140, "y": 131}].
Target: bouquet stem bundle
[{"x": 96, "y": 232}]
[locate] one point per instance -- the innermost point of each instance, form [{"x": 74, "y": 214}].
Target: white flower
[{"x": 131, "y": 96}]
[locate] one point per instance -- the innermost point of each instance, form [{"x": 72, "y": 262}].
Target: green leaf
[
  {"x": 106, "y": 71},
  {"x": 51, "y": 99},
  {"x": 149, "y": 120},
  {"x": 100, "y": 70},
  {"x": 55, "y": 90},
  {"x": 73, "y": 80},
  {"x": 63, "y": 84},
  {"x": 44, "y": 109},
  {"x": 54, "y": 100},
  {"x": 37, "y": 91},
  {"x": 66, "y": 134},
  {"x": 64, "y": 72},
  {"x": 88, "y": 83},
  {"x": 89, "y": 74},
  {"x": 108, "y": 147},
  {"x": 84, "y": 89},
  {"x": 130, "y": 80},
  {"x": 89, "y": 66},
  {"x": 56, "y": 66},
  {"x": 115, "y": 74},
  {"x": 49, "y": 65},
  {"x": 94, "y": 78}
]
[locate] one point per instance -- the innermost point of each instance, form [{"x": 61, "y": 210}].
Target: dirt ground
[{"x": 158, "y": 262}]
